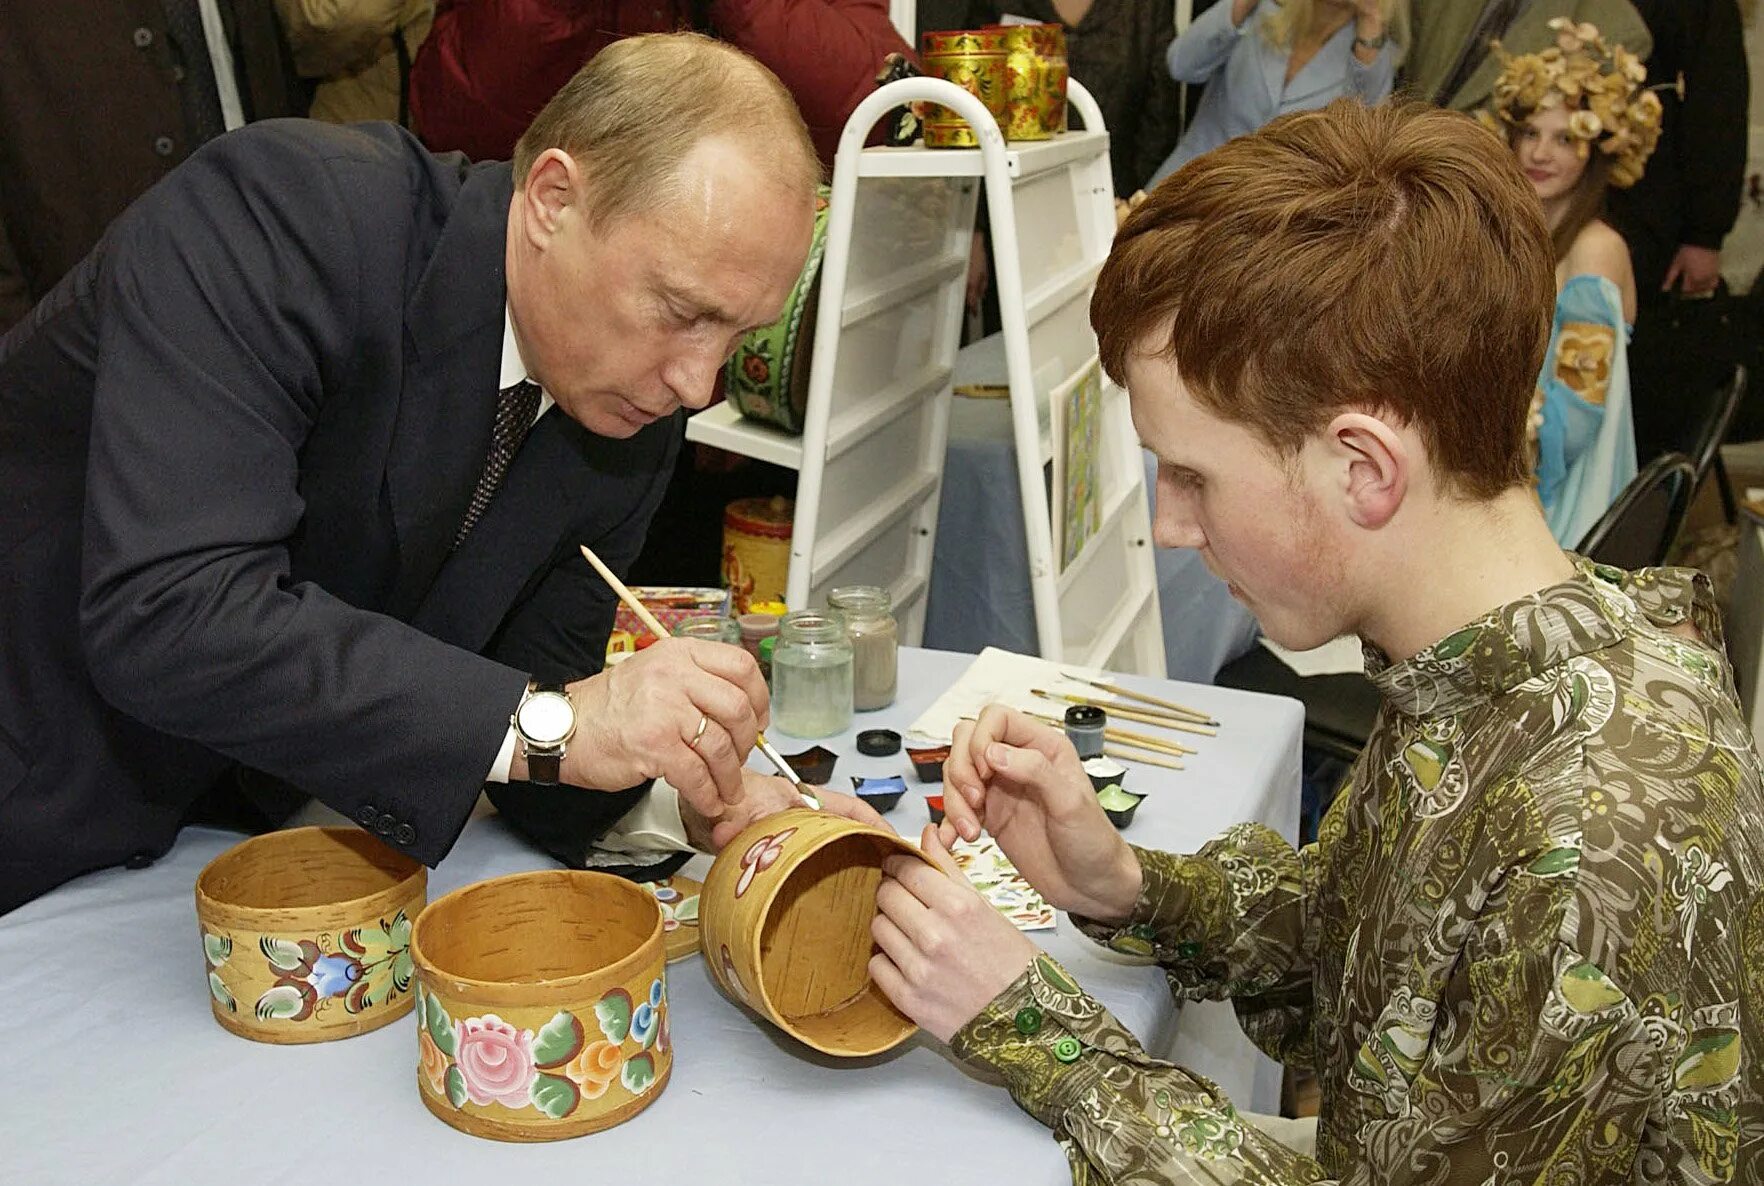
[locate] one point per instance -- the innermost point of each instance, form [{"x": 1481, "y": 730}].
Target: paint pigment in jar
[{"x": 875, "y": 643}]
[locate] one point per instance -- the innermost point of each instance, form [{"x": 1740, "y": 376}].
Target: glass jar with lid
[
  {"x": 811, "y": 675},
  {"x": 875, "y": 643}
]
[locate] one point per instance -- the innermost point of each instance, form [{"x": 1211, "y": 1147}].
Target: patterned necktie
[{"x": 516, "y": 408}]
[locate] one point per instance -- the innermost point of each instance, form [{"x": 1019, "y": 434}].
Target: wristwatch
[
  {"x": 544, "y": 722},
  {"x": 1372, "y": 43}
]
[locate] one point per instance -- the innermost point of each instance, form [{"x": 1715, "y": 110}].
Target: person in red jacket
[{"x": 489, "y": 65}]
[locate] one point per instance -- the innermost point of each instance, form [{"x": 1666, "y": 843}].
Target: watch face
[{"x": 546, "y": 717}]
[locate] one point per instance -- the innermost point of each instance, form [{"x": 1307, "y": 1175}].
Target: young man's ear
[{"x": 1377, "y": 461}]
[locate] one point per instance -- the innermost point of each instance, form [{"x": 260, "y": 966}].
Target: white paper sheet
[{"x": 1001, "y": 677}]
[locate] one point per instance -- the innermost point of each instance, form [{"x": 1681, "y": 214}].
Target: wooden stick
[
  {"x": 1128, "y": 713},
  {"x": 1115, "y": 751},
  {"x": 1199, "y": 717},
  {"x": 656, "y": 628}
]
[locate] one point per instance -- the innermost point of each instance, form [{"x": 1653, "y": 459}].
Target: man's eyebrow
[{"x": 697, "y": 303}]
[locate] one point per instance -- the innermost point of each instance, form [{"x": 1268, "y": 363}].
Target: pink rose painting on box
[{"x": 496, "y": 1061}]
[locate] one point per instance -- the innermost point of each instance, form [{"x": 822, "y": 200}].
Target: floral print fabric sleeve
[
  {"x": 1231, "y": 922},
  {"x": 1121, "y": 1115}
]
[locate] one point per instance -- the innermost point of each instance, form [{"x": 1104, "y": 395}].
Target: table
[
  {"x": 979, "y": 594},
  {"x": 118, "y": 1074}
]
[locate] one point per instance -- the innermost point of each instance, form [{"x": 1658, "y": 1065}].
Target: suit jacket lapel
[
  {"x": 453, "y": 334},
  {"x": 523, "y": 525}
]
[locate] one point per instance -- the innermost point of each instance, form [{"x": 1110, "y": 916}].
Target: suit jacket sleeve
[
  {"x": 227, "y": 308},
  {"x": 15, "y": 294},
  {"x": 1711, "y": 127}
]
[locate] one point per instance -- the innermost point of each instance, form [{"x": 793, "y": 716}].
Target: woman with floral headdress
[{"x": 1580, "y": 122}]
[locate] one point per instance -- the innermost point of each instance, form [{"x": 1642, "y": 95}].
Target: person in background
[
  {"x": 1449, "y": 62},
  {"x": 1524, "y": 947},
  {"x": 359, "y": 51},
  {"x": 1677, "y": 215},
  {"x": 1116, "y": 49},
  {"x": 1263, "y": 58},
  {"x": 99, "y": 101},
  {"x": 490, "y": 64},
  {"x": 1581, "y": 122}
]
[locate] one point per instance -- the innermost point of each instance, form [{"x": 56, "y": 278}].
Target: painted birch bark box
[
  {"x": 785, "y": 923},
  {"x": 543, "y": 1005},
  {"x": 306, "y": 934}
]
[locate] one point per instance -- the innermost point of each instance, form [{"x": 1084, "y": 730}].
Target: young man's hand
[
  {"x": 945, "y": 951},
  {"x": 1022, "y": 782}
]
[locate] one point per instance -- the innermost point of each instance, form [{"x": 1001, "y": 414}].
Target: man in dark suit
[{"x": 285, "y": 492}]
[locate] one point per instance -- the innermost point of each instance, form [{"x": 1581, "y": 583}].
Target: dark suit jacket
[
  {"x": 235, "y": 445},
  {"x": 91, "y": 116},
  {"x": 1690, "y": 191}
]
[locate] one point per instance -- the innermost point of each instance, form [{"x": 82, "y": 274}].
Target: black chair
[
  {"x": 1637, "y": 530},
  {"x": 1340, "y": 709},
  {"x": 1704, "y": 446}
]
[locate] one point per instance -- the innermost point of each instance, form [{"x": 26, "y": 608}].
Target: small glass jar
[
  {"x": 1084, "y": 727},
  {"x": 710, "y": 629},
  {"x": 755, "y": 628},
  {"x": 811, "y": 675},
  {"x": 875, "y": 643}
]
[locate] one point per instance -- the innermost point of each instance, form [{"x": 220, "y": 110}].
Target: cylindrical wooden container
[
  {"x": 973, "y": 59},
  {"x": 756, "y": 549},
  {"x": 306, "y": 934},
  {"x": 785, "y": 923},
  {"x": 543, "y": 1005}
]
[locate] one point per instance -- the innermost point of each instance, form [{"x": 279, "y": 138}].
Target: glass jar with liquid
[
  {"x": 709, "y": 628},
  {"x": 875, "y": 643},
  {"x": 811, "y": 675}
]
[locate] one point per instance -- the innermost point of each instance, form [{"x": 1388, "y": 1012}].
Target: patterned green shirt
[{"x": 1528, "y": 945}]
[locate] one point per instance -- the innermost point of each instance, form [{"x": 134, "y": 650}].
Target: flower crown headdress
[{"x": 1601, "y": 86}]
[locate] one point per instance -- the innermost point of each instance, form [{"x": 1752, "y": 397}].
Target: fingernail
[{"x": 999, "y": 756}]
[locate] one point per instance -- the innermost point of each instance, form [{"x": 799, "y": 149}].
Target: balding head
[{"x": 631, "y": 116}]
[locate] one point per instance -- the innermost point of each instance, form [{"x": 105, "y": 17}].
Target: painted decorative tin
[
  {"x": 671, "y": 605},
  {"x": 306, "y": 934},
  {"x": 973, "y": 59},
  {"x": 543, "y": 1007},
  {"x": 767, "y": 378},
  {"x": 785, "y": 917},
  {"x": 756, "y": 549},
  {"x": 1035, "y": 81}
]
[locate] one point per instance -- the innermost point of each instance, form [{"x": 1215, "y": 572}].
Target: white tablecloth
[{"x": 116, "y": 1073}]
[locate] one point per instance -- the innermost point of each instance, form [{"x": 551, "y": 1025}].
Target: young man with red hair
[{"x": 1527, "y": 944}]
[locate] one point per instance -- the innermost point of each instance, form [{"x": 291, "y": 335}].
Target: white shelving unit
[{"x": 872, "y": 450}]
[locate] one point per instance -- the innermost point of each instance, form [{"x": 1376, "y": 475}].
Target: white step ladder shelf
[{"x": 870, "y": 458}]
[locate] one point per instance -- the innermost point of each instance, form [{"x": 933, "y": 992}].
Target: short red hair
[{"x": 1391, "y": 257}]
